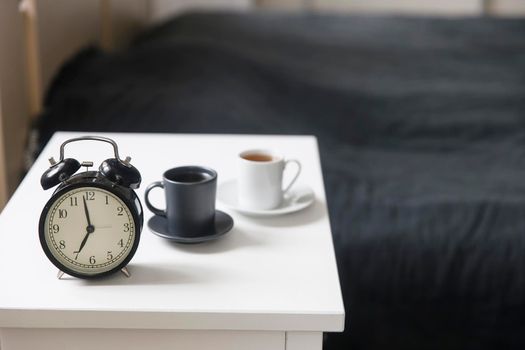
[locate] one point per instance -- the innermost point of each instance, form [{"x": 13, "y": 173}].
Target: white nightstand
[{"x": 271, "y": 283}]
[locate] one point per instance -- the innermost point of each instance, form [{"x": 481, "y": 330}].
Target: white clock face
[{"x": 89, "y": 230}]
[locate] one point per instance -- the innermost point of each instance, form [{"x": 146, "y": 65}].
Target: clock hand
[
  {"x": 87, "y": 213},
  {"x": 90, "y": 230}
]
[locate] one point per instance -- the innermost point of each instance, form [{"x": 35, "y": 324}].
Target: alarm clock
[{"x": 91, "y": 225}]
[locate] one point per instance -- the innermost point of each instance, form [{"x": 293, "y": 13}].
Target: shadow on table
[
  {"x": 155, "y": 274},
  {"x": 313, "y": 213},
  {"x": 235, "y": 239}
]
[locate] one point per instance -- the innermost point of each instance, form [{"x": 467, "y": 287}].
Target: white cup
[{"x": 260, "y": 180}]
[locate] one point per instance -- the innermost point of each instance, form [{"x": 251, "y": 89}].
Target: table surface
[{"x": 274, "y": 273}]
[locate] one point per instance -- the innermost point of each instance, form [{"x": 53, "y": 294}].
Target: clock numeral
[
  {"x": 121, "y": 243},
  {"x": 120, "y": 211},
  {"x": 110, "y": 255},
  {"x": 90, "y": 196},
  {"x": 107, "y": 200},
  {"x": 55, "y": 228},
  {"x": 62, "y": 244},
  {"x": 62, "y": 213},
  {"x": 126, "y": 227},
  {"x": 73, "y": 202},
  {"x": 92, "y": 260}
]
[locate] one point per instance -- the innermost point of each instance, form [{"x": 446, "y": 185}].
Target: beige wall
[
  {"x": 421, "y": 7},
  {"x": 414, "y": 7},
  {"x": 506, "y": 8},
  {"x": 162, "y": 9},
  {"x": 128, "y": 18},
  {"x": 65, "y": 26}
]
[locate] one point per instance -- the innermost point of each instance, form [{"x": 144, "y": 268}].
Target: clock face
[{"x": 88, "y": 231}]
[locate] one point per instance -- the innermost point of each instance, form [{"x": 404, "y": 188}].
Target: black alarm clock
[{"x": 91, "y": 225}]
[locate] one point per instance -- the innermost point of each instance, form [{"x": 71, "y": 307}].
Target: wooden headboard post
[
  {"x": 34, "y": 78},
  {"x": 3, "y": 171}
]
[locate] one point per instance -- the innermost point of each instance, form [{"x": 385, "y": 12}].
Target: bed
[{"x": 421, "y": 125}]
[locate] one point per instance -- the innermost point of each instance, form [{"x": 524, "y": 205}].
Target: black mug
[{"x": 190, "y": 200}]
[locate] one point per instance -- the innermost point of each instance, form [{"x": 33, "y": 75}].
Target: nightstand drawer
[{"x": 135, "y": 339}]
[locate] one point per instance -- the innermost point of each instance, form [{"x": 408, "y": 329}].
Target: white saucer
[{"x": 298, "y": 198}]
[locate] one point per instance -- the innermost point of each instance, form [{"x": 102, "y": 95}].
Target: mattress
[{"x": 421, "y": 126}]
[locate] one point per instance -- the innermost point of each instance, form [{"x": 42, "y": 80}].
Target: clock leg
[
  {"x": 60, "y": 274},
  {"x": 125, "y": 271}
]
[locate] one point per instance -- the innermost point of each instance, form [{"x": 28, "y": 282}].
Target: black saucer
[{"x": 223, "y": 224}]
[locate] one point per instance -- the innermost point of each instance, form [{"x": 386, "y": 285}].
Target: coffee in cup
[
  {"x": 260, "y": 179},
  {"x": 190, "y": 200}
]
